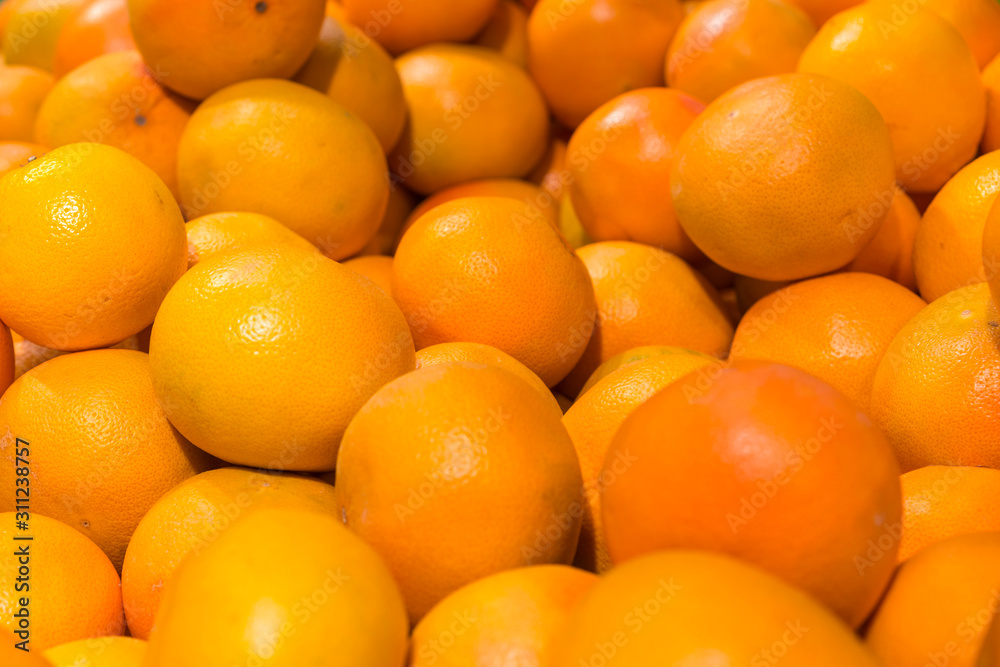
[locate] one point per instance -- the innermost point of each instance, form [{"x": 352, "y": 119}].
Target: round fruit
[
  {"x": 991, "y": 81},
  {"x": 219, "y": 233},
  {"x": 74, "y": 589},
  {"x": 401, "y": 203},
  {"x": 511, "y": 617},
  {"x": 439, "y": 449},
  {"x": 977, "y": 20},
  {"x": 272, "y": 156},
  {"x": 935, "y": 109},
  {"x": 96, "y": 28},
  {"x": 262, "y": 355},
  {"x": 646, "y": 296},
  {"x": 756, "y": 203},
  {"x": 821, "y": 10},
  {"x": 191, "y": 516},
  {"x": 551, "y": 173},
  {"x": 22, "y": 89},
  {"x": 619, "y": 161},
  {"x": 100, "y": 652},
  {"x": 18, "y": 153},
  {"x": 507, "y": 32},
  {"x": 473, "y": 115},
  {"x": 890, "y": 253},
  {"x": 27, "y": 355},
  {"x": 401, "y": 27},
  {"x": 836, "y": 327},
  {"x": 538, "y": 203},
  {"x": 765, "y": 463},
  {"x": 249, "y": 599},
  {"x": 630, "y": 357},
  {"x": 33, "y": 29},
  {"x": 10, "y": 653},
  {"x": 91, "y": 240},
  {"x": 377, "y": 268},
  {"x": 197, "y": 48},
  {"x": 699, "y": 609},
  {"x": 478, "y": 270},
  {"x": 8, "y": 360},
  {"x": 936, "y": 394}
]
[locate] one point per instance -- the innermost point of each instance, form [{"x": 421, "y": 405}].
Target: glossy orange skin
[
  {"x": 17, "y": 153},
  {"x": 724, "y": 43},
  {"x": 103, "y": 651},
  {"x": 377, "y": 268},
  {"x": 98, "y": 27},
  {"x": 218, "y": 233},
  {"x": 991, "y": 82},
  {"x": 763, "y": 462},
  {"x": 619, "y": 161},
  {"x": 507, "y": 32},
  {"x": 32, "y": 31},
  {"x": 538, "y": 202},
  {"x": 191, "y": 46},
  {"x": 890, "y": 253},
  {"x": 473, "y": 115},
  {"x": 402, "y": 26},
  {"x": 991, "y": 251},
  {"x": 584, "y": 53},
  {"x": 821, "y": 10},
  {"x": 977, "y": 20},
  {"x": 23, "y": 90},
  {"x": 935, "y": 110}
]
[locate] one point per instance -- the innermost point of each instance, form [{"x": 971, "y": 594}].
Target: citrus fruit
[
  {"x": 8, "y": 359},
  {"x": 10, "y": 653},
  {"x": 98, "y": 652},
  {"x": 18, "y": 153},
  {"x": 551, "y": 173},
  {"x": 274, "y": 340},
  {"x": 32, "y": 31},
  {"x": 821, "y": 10},
  {"x": 890, "y": 253},
  {"x": 630, "y": 357},
  {"x": 218, "y": 233},
  {"x": 400, "y": 27},
  {"x": 977, "y": 20},
  {"x": 377, "y": 268},
  {"x": 433, "y": 454},
  {"x": 991, "y": 81},
  {"x": 27, "y": 355},
  {"x": 538, "y": 203},
  {"x": 757, "y": 204},
  {"x": 401, "y": 203},
  {"x": 22, "y": 89},
  {"x": 96, "y": 28},
  {"x": 507, "y": 32},
  {"x": 111, "y": 227}
]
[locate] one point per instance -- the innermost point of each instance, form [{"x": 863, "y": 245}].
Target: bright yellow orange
[
  {"x": 629, "y": 357},
  {"x": 114, "y": 100},
  {"x": 724, "y": 43},
  {"x": 22, "y": 89},
  {"x": 519, "y": 615},
  {"x": 9, "y": 653},
  {"x": 836, "y": 327},
  {"x": 619, "y": 161},
  {"x": 756, "y": 203},
  {"x": 473, "y": 115},
  {"x": 478, "y": 270},
  {"x": 400, "y": 27},
  {"x": 570, "y": 225},
  {"x": 890, "y": 253},
  {"x": 596, "y": 416},
  {"x": 821, "y": 10},
  {"x": 586, "y": 52},
  {"x": 18, "y": 153},
  {"x": 218, "y": 233},
  {"x": 948, "y": 252},
  {"x": 192, "y": 516},
  {"x": 96, "y": 28},
  {"x": 977, "y": 20},
  {"x": 32, "y": 31},
  {"x": 358, "y": 74},
  {"x": 538, "y": 202},
  {"x": 75, "y": 591},
  {"x": 938, "y": 406},
  {"x": 940, "y": 604},
  {"x": 437, "y": 450},
  {"x": 98, "y": 652},
  {"x": 763, "y": 462},
  {"x": 113, "y": 229},
  {"x": 270, "y": 157},
  {"x": 198, "y": 48},
  {"x": 935, "y": 109},
  {"x": 646, "y": 296},
  {"x": 507, "y": 32},
  {"x": 236, "y": 601},
  {"x": 377, "y": 268},
  {"x": 690, "y": 608}
]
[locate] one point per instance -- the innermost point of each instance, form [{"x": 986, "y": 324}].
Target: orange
[
  {"x": 274, "y": 339},
  {"x": 977, "y": 20},
  {"x": 249, "y": 599},
  {"x": 192, "y": 516},
  {"x": 507, "y": 32},
  {"x": 756, "y": 203},
  {"x": 18, "y": 153},
  {"x": 585, "y": 52},
  {"x": 377, "y": 268},
  {"x": 836, "y": 327},
  {"x": 943, "y": 501},
  {"x": 991, "y": 81},
  {"x": 821, "y": 10},
  {"x": 358, "y": 74},
  {"x": 74, "y": 591},
  {"x": 97, "y": 435},
  {"x": 22, "y": 89},
  {"x": 96, "y": 28},
  {"x": 27, "y": 355},
  {"x": 6, "y": 11},
  {"x": 630, "y": 357},
  {"x": 198, "y": 48},
  {"x": 551, "y": 173},
  {"x": 401, "y": 26},
  {"x": 477, "y": 270},
  {"x": 9, "y": 653},
  {"x": 570, "y": 225},
  {"x": 646, "y": 296},
  {"x": 948, "y": 252},
  {"x": 696, "y": 609},
  {"x": 244, "y": 150},
  {"x": 113, "y": 229},
  {"x": 436, "y": 452},
  {"x": 401, "y": 203},
  {"x": 486, "y": 354},
  {"x": 940, "y": 604},
  {"x": 218, "y": 233},
  {"x": 619, "y": 161},
  {"x": 724, "y": 43},
  {"x": 538, "y": 202},
  {"x": 768, "y": 464},
  {"x": 937, "y": 391},
  {"x": 594, "y": 419},
  {"x": 510, "y": 617},
  {"x": 32, "y": 31},
  {"x": 890, "y": 253},
  {"x": 989, "y": 656},
  {"x": 114, "y": 100},
  {"x": 100, "y": 652},
  {"x": 935, "y": 108},
  {"x": 473, "y": 115},
  {"x": 991, "y": 251},
  {"x": 7, "y": 358}
]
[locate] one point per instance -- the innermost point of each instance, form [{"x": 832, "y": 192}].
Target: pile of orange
[{"x": 499, "y": 333}]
